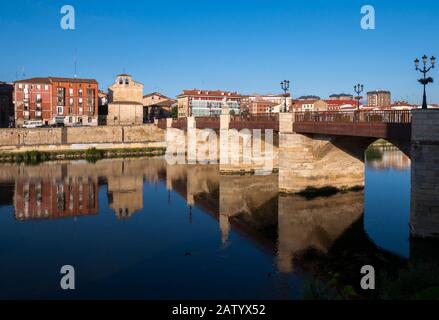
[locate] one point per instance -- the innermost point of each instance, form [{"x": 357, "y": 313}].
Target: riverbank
[{"x": 91, "y": 154}]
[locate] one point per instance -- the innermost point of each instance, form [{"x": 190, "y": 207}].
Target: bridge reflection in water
[{"x": 292, "y": 228}]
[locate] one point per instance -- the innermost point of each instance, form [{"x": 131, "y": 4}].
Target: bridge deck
[{"x": 391, "y": 124}]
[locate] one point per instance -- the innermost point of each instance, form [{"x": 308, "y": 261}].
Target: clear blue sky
[{"x": 248, "y": 46}]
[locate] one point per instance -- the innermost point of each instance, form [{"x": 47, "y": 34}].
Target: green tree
[{"x": 174, "y": 112}]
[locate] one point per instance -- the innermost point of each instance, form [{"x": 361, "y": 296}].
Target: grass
[
  {"x": 92, "y": 154},
  {"x": 419, "y": 281},
  {"x": 373, "y": 153}
]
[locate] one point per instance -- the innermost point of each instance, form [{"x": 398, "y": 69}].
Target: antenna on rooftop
[{"x": 76, "y": 63}]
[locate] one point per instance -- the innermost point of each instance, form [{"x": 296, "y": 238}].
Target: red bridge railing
[
  {"x": 207, "y": 122},
  {"x": 381, "y": 116},
  {"x": 180, "y": 123},
  {"x": 255, "y": 122},
  {"x": 386, "y": 124}
]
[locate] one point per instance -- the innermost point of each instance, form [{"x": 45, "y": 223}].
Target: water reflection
[
  {"x": 390, "y": 157},
  {"x": 299, "y": 235}
]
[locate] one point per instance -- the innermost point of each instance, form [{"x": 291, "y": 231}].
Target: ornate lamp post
[
  {"x": 285, "y": 85},
  {"x": 424, "y": 81},
  {"x": 358, "y": 90}
]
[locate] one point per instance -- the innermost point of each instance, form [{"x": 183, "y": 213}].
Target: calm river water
[{"x": 138, "y": 228}]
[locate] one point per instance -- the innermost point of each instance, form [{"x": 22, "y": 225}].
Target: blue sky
[{"x": 248, "y": 46}]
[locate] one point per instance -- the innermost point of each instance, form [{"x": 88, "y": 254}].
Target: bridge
[
  {"x": 236, "y": 122},
  {"x": 387, "y": 124},
  {"x": 314, "y": 150}
]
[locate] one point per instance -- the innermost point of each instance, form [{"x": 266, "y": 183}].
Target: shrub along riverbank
[{"x": 91, "y": 154}]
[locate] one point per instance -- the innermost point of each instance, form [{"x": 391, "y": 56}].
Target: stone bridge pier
[
  {"x": 318, "y": 161},
  {"x": 424, "y": 218}
]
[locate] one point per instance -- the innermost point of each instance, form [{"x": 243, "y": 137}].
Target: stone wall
[
  {"x": 318, "y": 161},
  {"x": 20, "y": 139},
  {"x": 424, "y": 219}
]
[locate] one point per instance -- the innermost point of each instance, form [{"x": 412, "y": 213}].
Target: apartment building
[
  {"x": 379, "y": 99},
  {"x": 56, "y": 101},
  {"x": 269, "y": 103},
  {"x": 199, "y": 103}
]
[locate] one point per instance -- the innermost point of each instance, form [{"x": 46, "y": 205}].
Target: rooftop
[
  {"x": 378, "y": 91},
  {"x": 50, "y": 80},
  {"x": 210, "y": 93}
]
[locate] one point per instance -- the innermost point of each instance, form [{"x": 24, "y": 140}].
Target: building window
[
  {"x": 38, "y": 87},
  {"x": 60, "y": 96},
  {"x": 71, "y": 92},
  {"x": 60, "y": 110},
  {"x": 46, "y": 87},
  {"x": 70, "y": 119},
  {"x": 80, "y": 93},
  {"x": 89, "y": 119},
  {"x": 127, "y": 81}
]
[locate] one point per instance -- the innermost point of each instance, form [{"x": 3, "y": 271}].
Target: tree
[
  {"x": 232, "y": 112},
  {"x": 174, "y": 112}
]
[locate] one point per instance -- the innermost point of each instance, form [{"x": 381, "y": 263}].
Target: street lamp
[
  {"x": 358, "y": 89},
  {"x": 424, "y": 81},
  {"x": 285, "y": 85}
]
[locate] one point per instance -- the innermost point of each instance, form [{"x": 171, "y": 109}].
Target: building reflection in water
[
  {"x": 390, "y": 158},
  {"x": 285, "y": 226},
  {"x": 54, "y": 194}
]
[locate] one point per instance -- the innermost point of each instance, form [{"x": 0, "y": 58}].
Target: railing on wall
[
  {"x": 207, "y": 122},
  {"x": 265, "y": 121},
  {"x": 386, "y": 124},
  {"x": 180, "y": 123},
  {"x": 374, "y": 116}
]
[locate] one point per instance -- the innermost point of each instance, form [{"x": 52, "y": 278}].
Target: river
[{"x": 141, "y": 229}]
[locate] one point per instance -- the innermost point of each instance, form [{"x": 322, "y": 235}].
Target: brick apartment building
[
  {"x": 6, "y": 105},
  {"x": 56, "y": 101},
  {"x": 55, "y": 198},
  {"x": 207, "y": 102},
  {"x": 379, "y": 99}
]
